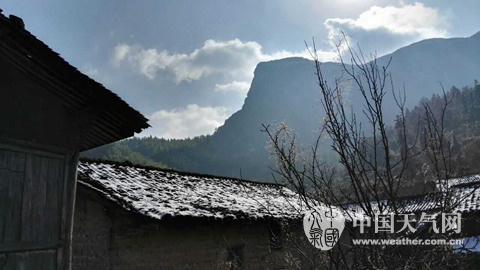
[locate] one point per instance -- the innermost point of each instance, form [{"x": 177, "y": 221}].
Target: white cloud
[
  {"x": 120, "y": 52},
  {"x": 230, "y": 64},
  {"x": 385, "y": 28},
  {"x": 379, "y": 29},
  {"x": 190, "y": 121},
  {"x": 235, "y": 87},
  {"x": 407, "y": 19},
  {"x": 235, "y": 60}
]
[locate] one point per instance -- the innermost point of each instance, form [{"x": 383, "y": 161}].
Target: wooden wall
[
  {"x": 44, "y": 122},
  {"x": 39, "y": 142},
  {"x": 34, "y": 209},
  {"x": 29, "y": 112}
]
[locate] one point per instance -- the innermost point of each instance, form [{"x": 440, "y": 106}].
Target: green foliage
[
  {"x": 462, "y": 129},
  {"x": 227, "y": 153},
  {"x": 183, "y": 154},
  {"x": 121, "y": 153}
]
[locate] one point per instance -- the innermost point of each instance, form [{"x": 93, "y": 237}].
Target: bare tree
[{"x": 375, "y": 162}]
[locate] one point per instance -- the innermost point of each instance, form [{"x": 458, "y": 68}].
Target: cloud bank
[
  {"x": 376, "y": 29},
  {"x": 233, "y": 59},
  {"x": 384, "y": 29},
  {"x": 190, "y": 121},
  {"x": 230, "y": 64}
]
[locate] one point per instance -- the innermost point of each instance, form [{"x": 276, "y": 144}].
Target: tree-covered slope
[{"x": 286, "y": 91}]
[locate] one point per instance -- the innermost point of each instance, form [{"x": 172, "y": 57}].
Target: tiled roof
[
  {"x": 465, "y": 198},
  {"x": 461, "y": 181},
  {"x": 157, "y": 193},
  {"x": 469, "y": 197},
  {"x": 114, "y": 118}
]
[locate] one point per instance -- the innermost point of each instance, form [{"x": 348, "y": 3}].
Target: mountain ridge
[{"x": 286, "y": 90}]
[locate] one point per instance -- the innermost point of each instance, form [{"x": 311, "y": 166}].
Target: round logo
[{"x": 323, "y": 227}]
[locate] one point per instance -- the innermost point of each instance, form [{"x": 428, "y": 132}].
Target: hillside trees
[{"x": 376, "y": 163}]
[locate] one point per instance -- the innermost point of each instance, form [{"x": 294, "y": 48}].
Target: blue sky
[{"x": 187, "y": 65}]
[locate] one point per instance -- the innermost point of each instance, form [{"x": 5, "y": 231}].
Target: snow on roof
[
  {"x": 469, "y": 198},
  {"x": 465, "y": 180},
  {"x": 465, "y": 198},
  {"x": 467, "y": 192},
  {"x": 413, "y": 204},
  {"x": 157, "y": 193}
]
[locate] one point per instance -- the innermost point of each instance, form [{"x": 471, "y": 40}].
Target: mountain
[
  {"x": 422, "y": 65},
  {"x": 286, "y": 90}
]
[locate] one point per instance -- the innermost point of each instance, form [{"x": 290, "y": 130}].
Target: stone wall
[
  {"x": 91, "y": 234},
  {"x": 108, "y": 237}
]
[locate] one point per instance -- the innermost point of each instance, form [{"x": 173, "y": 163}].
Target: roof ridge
[
  {"x": 128, "y": 163},
  {"x": 469, "y": 184},
  {"x": 400, "y": 199},
  {"x": 464, "y": 177}
]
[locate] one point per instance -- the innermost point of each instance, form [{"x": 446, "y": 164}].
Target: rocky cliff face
[{"x": 286, "y": 90}]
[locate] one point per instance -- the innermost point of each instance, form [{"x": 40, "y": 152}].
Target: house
[
  {"x": 135, "y": 217},
  {"x": 463, "y": 197},
  {"x": 49, "y": 112}
]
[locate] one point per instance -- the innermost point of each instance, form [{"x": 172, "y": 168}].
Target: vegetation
[
  {"x": 200, "y": 154},
  {"x": 377, "y": 159},
  {"x": 377, "y": 165},
  {"x": 461, "y": 123}
]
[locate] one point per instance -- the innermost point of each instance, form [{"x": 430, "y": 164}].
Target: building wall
[
  {"x": 91, "y": 235},
  {"x": 106, "y": 237},
  {"x": 34, "y": 209},
  {"x": 31, "y": 113},
  {"x": 39, "y": 141}
]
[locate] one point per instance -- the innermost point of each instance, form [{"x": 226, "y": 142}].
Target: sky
[{"x": 188, "y": 65}]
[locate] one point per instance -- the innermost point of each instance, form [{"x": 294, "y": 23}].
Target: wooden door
[{"x": 32, "y": 211}]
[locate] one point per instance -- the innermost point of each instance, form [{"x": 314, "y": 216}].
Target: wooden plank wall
[{"x": 31, "y": 203}]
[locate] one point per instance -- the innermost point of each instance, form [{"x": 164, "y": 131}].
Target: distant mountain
[
  {"x": 286, "y": 90},
  {"x": 422, "y": 65}
]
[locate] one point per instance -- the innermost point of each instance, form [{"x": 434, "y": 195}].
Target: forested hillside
[
  {"x": 286, "y": 91},
  {"x": 462, "y": 123},
  {"x": 462, "y": 128}
]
